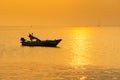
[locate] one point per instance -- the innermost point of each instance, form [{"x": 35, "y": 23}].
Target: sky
[{"x": 60, "y": 12}]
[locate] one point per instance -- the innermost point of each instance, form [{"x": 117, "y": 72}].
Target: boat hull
[{"x": 46, "y": 43}]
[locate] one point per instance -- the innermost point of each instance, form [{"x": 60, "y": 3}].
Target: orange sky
[{"x": 60, "y": 12}]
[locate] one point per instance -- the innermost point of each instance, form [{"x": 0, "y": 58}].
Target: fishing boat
[{"x": 34, "y": 41}]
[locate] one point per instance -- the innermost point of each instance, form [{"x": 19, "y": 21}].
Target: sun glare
[{"x": 80, "y": 52}]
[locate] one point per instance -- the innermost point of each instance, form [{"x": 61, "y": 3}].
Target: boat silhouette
[{"x": 34, "y": 41}]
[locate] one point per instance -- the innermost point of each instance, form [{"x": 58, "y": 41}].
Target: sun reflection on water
[{"x": 80, "y": 43}]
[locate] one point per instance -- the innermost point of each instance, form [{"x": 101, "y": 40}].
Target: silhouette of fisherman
[{"x": 33, "y": 37}]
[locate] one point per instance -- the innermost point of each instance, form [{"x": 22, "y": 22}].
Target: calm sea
[{"x": 85, "y": 53}]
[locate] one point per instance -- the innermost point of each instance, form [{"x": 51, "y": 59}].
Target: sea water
[{"x": 85, "y": 53}]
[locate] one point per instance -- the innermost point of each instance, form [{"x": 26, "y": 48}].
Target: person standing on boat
[{"x": 32, "y": 38}]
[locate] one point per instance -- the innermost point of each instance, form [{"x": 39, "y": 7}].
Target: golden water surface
[{"x": 83, "y": 54}]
